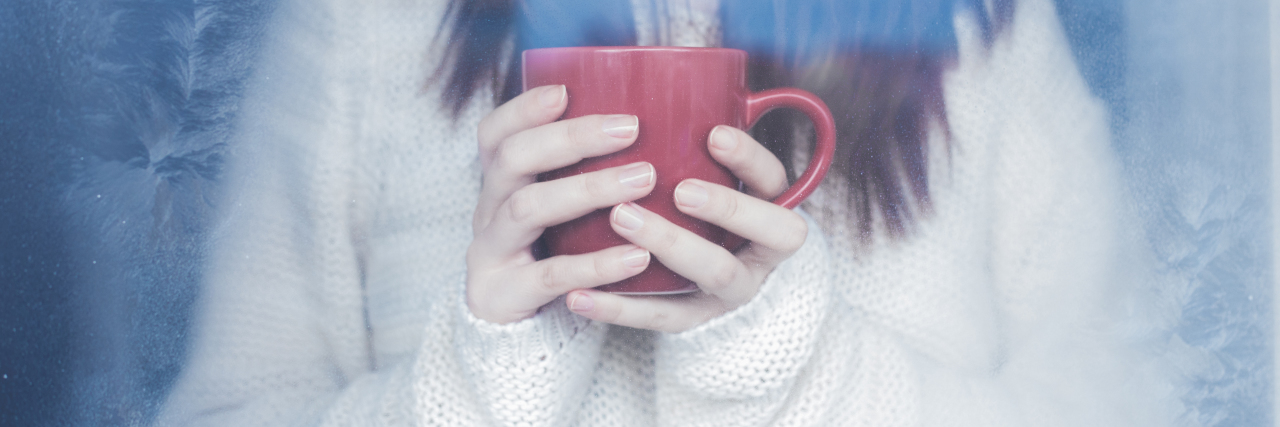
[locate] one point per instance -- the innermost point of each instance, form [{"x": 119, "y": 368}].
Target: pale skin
[{"x": 521, "y": 138}]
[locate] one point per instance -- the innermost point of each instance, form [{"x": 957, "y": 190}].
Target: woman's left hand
[{"x": 726, "y": 280}]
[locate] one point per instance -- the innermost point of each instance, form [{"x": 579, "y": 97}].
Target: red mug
[{"x": 679, "y": 94}]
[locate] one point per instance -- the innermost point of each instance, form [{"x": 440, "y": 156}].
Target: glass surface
[{"x": 111, "y": 167}]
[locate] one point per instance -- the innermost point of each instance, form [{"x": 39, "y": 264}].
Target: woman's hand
[
  {"x": 726, "y": 280},
  {"x": 519, "y": 140}
]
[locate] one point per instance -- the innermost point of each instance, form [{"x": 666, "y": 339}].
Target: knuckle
[
  {"x": 522, "y": 206},
  {"x": 498, "y": 157},
  {"x": 609, "y": 313},
  {"x": 722, "y": 277},
  {"x": 657, "y": 321},
  {"x": 668, "y": 238},
  {"x": 593, "y": 188},
  {"x": 532, "y": 110},
  {"x": 550, "y": 276},
  {"x": 795, "y": 232},
  {"x": 506, "y": 160},
  {"x": 601, "y": 270},
  {"x": 578, "y": 134},
  {"x": 729, "y": 206}
]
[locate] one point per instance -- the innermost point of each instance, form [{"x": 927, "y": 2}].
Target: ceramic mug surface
[{"x": 679, "y": 95}]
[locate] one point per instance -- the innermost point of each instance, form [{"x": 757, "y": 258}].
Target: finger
[
  {"x": 775, "y": 232},
  {"x": 758, "y": 168},
  {"x": 535, "y": 107},
  {"x": 557, "y": 275},
  {"x": 522, "y": 218},
  {"x": 533, "y": 285},
  {"x": 521, "y": 157},
  {"x": 711, "y": 267},
  {"x": 671, "y": 314},
  {"x": 555, "y": 145}
]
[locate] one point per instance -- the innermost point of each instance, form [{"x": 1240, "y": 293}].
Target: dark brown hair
[{"x": 877, "y": 63}]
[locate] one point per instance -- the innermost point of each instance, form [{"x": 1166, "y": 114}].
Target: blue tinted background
[{"x": 113, "y": 127}]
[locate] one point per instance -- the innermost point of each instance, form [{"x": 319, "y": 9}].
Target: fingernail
[
  {"x": 723, "y": 139},
  {"x": 638, "y": 176},
  {"x": 621, "y": 126},
  {"x": 552, "y": 96},
  {"x": 691, "y": 194},
  {"x": 627, "y": 216},
  {"x": 581, "y": 303},
  {"x": 637, "y": 257}
]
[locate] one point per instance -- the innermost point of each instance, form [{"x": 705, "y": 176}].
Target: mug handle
[{"x": 824, "y": 149}]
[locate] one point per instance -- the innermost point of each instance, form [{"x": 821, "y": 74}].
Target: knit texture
[{"x": 335, "y": 295}]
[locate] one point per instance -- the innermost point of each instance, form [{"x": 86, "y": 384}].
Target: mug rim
[{"x": 624, "y": 49}]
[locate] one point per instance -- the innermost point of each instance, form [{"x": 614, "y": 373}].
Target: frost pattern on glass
[{"x": 141, "y": 97}]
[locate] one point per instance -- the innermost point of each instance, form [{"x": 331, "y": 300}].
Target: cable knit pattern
[
  {"x": 533, "y": 367},
  {"x": 737, "y": 369},
  {"x": 334, "y": 294}
]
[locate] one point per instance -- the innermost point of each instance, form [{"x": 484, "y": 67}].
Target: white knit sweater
[{"x": 334, "y": 295}]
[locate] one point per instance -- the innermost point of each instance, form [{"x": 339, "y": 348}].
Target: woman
[{"x": 954, "y": 271}]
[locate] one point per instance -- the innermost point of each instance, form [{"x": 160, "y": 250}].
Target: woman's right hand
[{"x": 518, "y": 141}]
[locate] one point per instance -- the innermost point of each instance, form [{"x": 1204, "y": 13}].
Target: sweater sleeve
[
  {"x": 533, "y": 372},
  {"x": 737, "y": 369},
  {"x": 283, "y": 335}
]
